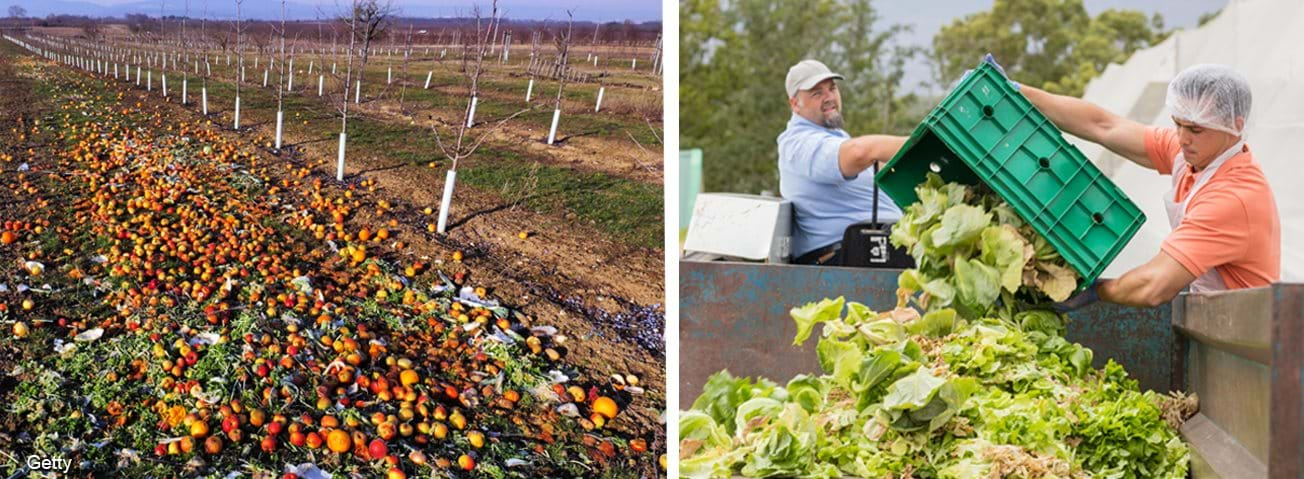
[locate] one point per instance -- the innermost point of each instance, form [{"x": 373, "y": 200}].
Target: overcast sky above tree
[{"x": 928, "y": 16}]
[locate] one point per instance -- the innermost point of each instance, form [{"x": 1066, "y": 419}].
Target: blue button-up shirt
[{"x": 825, "y": 202}]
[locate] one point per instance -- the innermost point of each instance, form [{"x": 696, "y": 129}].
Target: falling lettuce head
[{"x": 970, "y": 248}]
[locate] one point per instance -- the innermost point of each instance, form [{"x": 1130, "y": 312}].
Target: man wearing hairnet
[{"x": 1226, "y": 232}]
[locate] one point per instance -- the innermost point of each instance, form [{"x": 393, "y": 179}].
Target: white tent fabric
[{"x": 1259, "y": 38}]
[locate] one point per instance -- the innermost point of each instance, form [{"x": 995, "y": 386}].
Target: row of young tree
[
  {"x": 612, "y": 42},
  {"x": 361, "y": 22}
]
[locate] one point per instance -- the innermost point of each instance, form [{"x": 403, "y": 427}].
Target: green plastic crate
[{"x": 986, "y": 132}]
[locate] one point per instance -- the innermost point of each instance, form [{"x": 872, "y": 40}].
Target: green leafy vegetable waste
[{"x": 968, "y": 376}]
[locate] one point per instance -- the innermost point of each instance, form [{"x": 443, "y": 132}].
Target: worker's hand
[
  {"x": 1087, "y": 297},
  {"x": 990, "y": 60}
]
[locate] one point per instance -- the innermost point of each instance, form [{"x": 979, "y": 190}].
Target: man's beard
[{"x": 833, "y": 120}]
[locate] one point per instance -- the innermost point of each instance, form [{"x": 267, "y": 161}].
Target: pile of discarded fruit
[{"x": 176, "y": 309}]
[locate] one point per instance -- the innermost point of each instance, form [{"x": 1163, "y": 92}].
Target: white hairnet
[{"x": 1212, "y": 96}]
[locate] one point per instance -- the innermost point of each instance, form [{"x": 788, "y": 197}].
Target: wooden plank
[
  {"x": 1214, "y": 454},
  {"x": 1286, "y": 429},
  {"x": 1238, "y": 322}
]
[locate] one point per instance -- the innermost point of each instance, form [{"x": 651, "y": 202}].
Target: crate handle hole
[
  {"x": 988, "y": 110},
  {"x": 1097, "y": 218},
  {"x": 1044, "y": 162}
]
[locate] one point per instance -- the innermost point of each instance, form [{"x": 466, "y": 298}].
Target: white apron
[{"x": 1210, "y": 280}]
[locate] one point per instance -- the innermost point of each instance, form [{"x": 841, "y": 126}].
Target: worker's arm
[
  {"x": 1152, "y": 284},
  {"x": 860, "y": 153},
  {"x": 1092, "y": 123}
]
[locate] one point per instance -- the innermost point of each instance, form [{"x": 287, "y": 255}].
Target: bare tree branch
[
  {"x": 374, "y": 18},
  {"x": 563, "y": 53}
]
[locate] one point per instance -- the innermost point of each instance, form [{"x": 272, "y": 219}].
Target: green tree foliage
[
  {"x": 1052, "y": 44},
  {"x": 734, "y": 57},
  {"x": 1208, "y": 17}
]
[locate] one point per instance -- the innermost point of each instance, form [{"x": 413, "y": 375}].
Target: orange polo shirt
[{"x": 1231, "y": 224}]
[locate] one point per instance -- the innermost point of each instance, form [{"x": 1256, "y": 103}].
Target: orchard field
[{"x": 182, "y": 297}]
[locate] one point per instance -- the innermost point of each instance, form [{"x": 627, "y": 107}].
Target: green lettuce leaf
[
  {"x": 708, "y": 447},
  {"x": 940, "y": 293},
  {"x": 699, "y": 426},
  {"x": 1005, "y": 215},
  {"x": 913, "y": 391},
  {"x": 935, "y": 323},
  {"x": 876, "y": 367},
  {"x": 830, "y": 351},
  {"x": 977, "y": 285},
  {"x": 756, "y": 413},
  {"x": 813, "y": 313},
  {"x": 882, "y": 331},
  {"x": 1123, "y": 433},
  {"x": 961, "y": 226},
  {"x": 910, "y": 280},
  {"x": 713, "y": 464},
  {"x": 858, "y": 313},
  {"x": 953, "y": 394},
  {"x": 723, "y": 393},
  {"x": 785, "y": 448},
  {"x": 808, "y": 391},
  {"x": 1042, "y": 320},
  {"x": 1004, "y": 248},
  {"x": 839, "y": 359}
]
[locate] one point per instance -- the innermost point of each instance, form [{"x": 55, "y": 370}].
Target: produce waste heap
[
  {"x": 969, "y": 376},
  {"x": 191, "y": 307}
]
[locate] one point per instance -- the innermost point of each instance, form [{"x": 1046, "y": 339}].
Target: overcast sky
[{"x": 928, "y": 17}]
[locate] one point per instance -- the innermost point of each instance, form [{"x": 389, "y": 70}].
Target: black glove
[{"x": 1085, "y": 298}]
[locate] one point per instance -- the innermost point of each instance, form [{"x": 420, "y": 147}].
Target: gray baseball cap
[{"x": 806, "y": 74}]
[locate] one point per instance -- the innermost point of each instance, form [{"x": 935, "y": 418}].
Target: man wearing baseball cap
[{"x": 822, "y": 168}]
